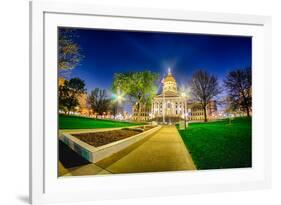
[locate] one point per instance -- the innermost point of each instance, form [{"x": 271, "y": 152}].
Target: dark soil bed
[{"x": 98, "y": 139}]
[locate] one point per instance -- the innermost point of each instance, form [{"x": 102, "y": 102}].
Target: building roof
[
  {"x": 169, "y": 77},
  {"x": 168, "y": 94}
]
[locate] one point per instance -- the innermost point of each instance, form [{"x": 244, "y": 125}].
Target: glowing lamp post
[
  {"x": 118, "y": 98},
  {"x": 183, "y": 94}
]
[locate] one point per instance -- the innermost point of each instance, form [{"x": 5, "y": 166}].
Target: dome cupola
[{"x": 170, "y": 84}]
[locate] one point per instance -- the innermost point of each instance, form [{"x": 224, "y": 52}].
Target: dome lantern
[{"x": 170, "y": 84}]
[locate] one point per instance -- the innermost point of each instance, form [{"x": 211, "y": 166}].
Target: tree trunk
[
  {"x": 139, "y": 111},
  {"x": 115, "y": 110},
  {"x": 205, "y": 113},
  {"x": 248, "y": 111},
  {"x": 245, "y": 104}
]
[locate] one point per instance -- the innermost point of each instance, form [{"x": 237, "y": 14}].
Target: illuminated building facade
[{"x": 170, "y": 103}]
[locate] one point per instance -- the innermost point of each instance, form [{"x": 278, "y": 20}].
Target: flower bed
[
  {"x": 98, "y": 139},
  {"x": 96, "y": 146}
]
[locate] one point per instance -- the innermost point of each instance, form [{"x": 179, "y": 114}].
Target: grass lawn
[
  {"x": 76, "y": 122},
  {"x": 215, "y": 145}
]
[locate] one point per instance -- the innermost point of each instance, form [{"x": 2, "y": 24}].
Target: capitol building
[{"x": 171, "y": 105}]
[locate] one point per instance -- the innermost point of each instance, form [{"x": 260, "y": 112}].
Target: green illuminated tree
[{"x": 138, "y": 87}]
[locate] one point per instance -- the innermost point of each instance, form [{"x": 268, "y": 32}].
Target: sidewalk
[{"x": 163, "y": 151}]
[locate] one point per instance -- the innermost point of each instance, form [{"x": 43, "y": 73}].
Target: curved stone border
[{"x": 95, "y": 154}]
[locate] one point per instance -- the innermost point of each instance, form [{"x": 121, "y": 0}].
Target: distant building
[
  {"x": 143, "y": 115},
  {"x": 83, "y": 107},
  {"x": 61, "y": 81},
  {"x": 196, "y": 112}
]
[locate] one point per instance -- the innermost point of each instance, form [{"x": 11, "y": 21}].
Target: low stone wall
[{"x": 95, "y": 154}]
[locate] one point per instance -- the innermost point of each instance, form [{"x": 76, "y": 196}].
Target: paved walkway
[{"x": 162, "y": 151}]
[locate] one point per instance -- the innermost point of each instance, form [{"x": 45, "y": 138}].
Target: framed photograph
[{"x": 129, "y": 102}]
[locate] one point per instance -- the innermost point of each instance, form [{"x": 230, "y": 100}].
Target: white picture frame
[{"x": 46, "y": 187}]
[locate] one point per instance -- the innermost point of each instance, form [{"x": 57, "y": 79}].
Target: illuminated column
[{"x": 174, "y": 107}]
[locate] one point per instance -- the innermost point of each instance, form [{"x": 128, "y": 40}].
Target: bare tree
[
  {"x": 69, "y": 52},
  {"x": 99, "y": 101},
  {"x": 239, "y": 87},
  {"x": 204, "y": 87}
]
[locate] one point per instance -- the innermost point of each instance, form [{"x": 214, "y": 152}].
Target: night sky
[{"x": 107, "y": 52}]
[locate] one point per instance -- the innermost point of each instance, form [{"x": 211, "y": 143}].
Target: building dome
[
  {"x": 170, "y": 84},
  {"x": 169, "y": 78}
]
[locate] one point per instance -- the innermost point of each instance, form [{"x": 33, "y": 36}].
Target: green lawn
[
  {"x": 76, "y": 122},
  {"x": 215, "y": 145}
]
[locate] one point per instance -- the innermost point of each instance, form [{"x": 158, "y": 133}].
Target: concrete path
[
  {"x": 89, "y": 169},
  {"x": 162, "y": 151}
]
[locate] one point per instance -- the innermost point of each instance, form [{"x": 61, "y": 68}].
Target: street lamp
[
  {"x": 163, "y": 98},
  {"x": 186, "y": 115},
  {"x": 117, "y": 98},
  {"x": 183, "y": 94}
]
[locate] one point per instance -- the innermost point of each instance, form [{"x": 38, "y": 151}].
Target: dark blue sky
[{"x": 107, "y": 52}]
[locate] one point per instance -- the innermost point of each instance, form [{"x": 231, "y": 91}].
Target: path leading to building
[{"x": 163, "y": 151}]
